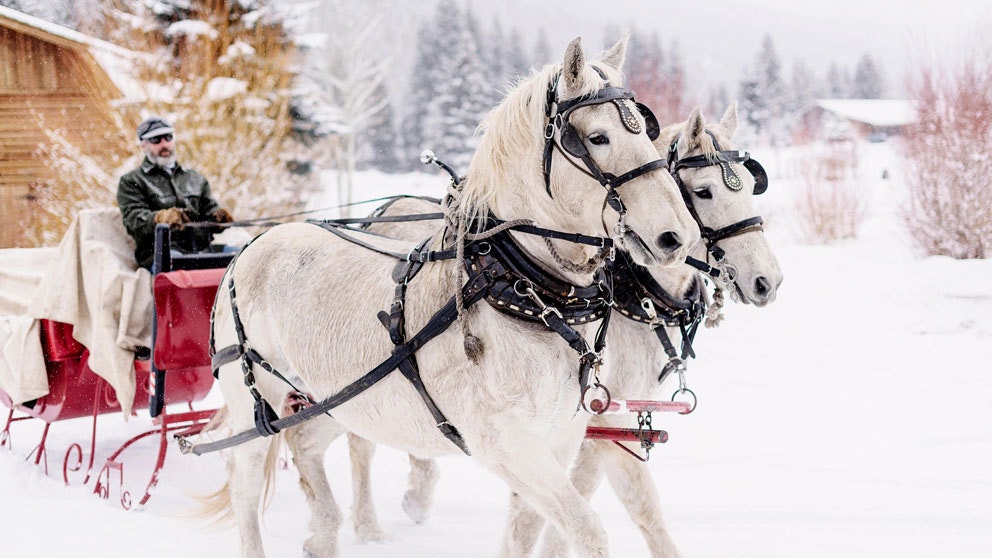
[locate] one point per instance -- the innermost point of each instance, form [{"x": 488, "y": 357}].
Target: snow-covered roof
[
  {"x": 875, "y": 112},
  {"x": 112, "y": 59}
]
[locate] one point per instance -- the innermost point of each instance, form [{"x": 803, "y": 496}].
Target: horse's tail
[{"x": 215, "y": 508}]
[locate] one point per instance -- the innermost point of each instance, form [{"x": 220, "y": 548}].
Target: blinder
[
  {"x": 759, "y": 174},
  {"x": 651, "y": 126},
  {"x": 571, "y": 142}
]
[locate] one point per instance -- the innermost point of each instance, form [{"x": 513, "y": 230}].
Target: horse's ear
[
  {"x": 571, "y": 68},
  {"x": 729, "y": 120},
  {"x": 695, "y": 127},
  {"x": 617, "y": 53}
]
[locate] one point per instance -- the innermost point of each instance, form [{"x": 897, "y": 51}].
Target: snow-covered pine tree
[
  {"x": 717, "y": 99},
  {"x": 869, "y": 82},
  {"x": 517, "y": 63},
  {"x": 750, "y": 105},
  {"x": 763, "y": 95},
  {"x": 378, "y": 148},
  {"x": 542, "y": 50},
  {"x": 805, "y": 87},
  {"x": 804, "y": 91},
  {"x": 493, "y": 50},
  {"x": 463, "y": 98},
  {"x": 56, "y": 11},
  {"x": 838, "y": 82},
  {"x": 436, "y": 45}
]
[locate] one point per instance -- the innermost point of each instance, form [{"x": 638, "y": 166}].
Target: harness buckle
[
  {"x": 648, "y": 306},
  {"x": 550, "y": 310}
]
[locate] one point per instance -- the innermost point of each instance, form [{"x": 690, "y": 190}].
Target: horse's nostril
[
  {"x": 669, "y": 241},
  {"x": 762, "y": 287}
]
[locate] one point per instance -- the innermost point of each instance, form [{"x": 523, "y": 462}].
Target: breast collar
[
  {"x": 639, "y": 297},
  {"x": 517, "y": 286}
]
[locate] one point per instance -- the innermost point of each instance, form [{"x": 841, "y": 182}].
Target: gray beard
[{"x": 167, "y": 163}]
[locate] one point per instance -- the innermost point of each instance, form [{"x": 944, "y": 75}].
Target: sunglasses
[{"x": 159, "y": 139}]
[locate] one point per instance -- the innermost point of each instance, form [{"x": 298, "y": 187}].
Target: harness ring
[{"x": 602, "y": 406}]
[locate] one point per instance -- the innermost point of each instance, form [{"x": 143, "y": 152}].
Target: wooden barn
[{"x": 51, "y": 78}]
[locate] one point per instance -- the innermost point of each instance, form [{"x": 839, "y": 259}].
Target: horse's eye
[
  {"x": 599, "y": 139},
  {"x": 703, "y": 193}
]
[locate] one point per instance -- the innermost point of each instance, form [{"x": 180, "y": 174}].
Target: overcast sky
[{"x": 718, "y": 37}]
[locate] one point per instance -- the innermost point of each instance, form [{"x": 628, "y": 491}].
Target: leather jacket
[{"x": 144, "y": 191}]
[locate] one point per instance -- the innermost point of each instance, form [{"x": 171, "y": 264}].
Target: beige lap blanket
[{"x": 90, "y": 281}]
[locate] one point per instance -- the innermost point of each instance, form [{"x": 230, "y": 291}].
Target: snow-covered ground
[{"x": 853, "y": 417}]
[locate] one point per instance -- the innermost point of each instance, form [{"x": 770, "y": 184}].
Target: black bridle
[
  {"x": 725, "y": 159},
  {"x": 571, "y": 144}
]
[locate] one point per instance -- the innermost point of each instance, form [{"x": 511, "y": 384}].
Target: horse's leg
[
  {"x": 419, "y": 497},
  {"x": 634, "y": 486},
  {"x": 363, "y": 515},
  {"x": 540, "y": 485},
  {"x": 586, "y": 475},
  {"x": 308, "y": 443},
  {"x": 523, "y": 528},
  {"x": 246, "y": 481}
]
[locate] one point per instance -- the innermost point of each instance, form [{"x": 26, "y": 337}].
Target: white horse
[
  {"x": 308, "y": 301},
  {"x": 634, "y": 352}
]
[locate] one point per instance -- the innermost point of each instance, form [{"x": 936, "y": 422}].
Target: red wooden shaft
[
  {"x": 640, "y": 406},
  {"x": 626, "y": 434}
]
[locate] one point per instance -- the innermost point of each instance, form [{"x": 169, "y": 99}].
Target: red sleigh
[{"x": 175, "y": 375}]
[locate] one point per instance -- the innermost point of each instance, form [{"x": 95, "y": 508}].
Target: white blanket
[{"x": 90, "y": 281}]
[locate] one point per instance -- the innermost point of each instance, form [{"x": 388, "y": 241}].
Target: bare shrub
[
  {"x": 830, "y": 205},
  {"x": 948, "y": 158}
]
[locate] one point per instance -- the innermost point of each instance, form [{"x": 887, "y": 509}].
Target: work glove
[
  {"x": 223, "y": 216},
  {"x": 172, "y": 216}
]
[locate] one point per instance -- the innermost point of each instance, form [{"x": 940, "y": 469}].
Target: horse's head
[
  {"x": 570, "y": 149},
  {"x": 717, "y": 184}
]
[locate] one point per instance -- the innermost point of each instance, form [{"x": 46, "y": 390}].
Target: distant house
[
  {"x": 51, "y": 78},
  {"x": 873, "y": 119}
]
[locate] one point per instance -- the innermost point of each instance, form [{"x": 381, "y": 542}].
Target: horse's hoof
[
  {"x": 307, "y": 553},
  {"x": 417, "y": 512},
  {"x": 376, "y": 535}
]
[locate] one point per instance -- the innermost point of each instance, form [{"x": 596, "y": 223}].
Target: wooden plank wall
[{"x": 42, "y": 87}]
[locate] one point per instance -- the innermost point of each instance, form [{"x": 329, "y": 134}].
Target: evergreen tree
[
  {"x": 805, "y": 88},
  {"x": 748, "y": 98},
  {"x": 838, "y": 82},
  {"x": 463, "y": 98},
  {"x": 493, "y": 48},
  {"x": 378, "y": 146},
  {"x": 542, "y": 50},
  {"x": 717, "y": 99},
  {"x": 436, "y": 46},
  {"x": 56, "y": 11},
  {"x": 868, "y": 80},
  {"x": 763, "y": 95},
  {"x": 516, "y": 61}
]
